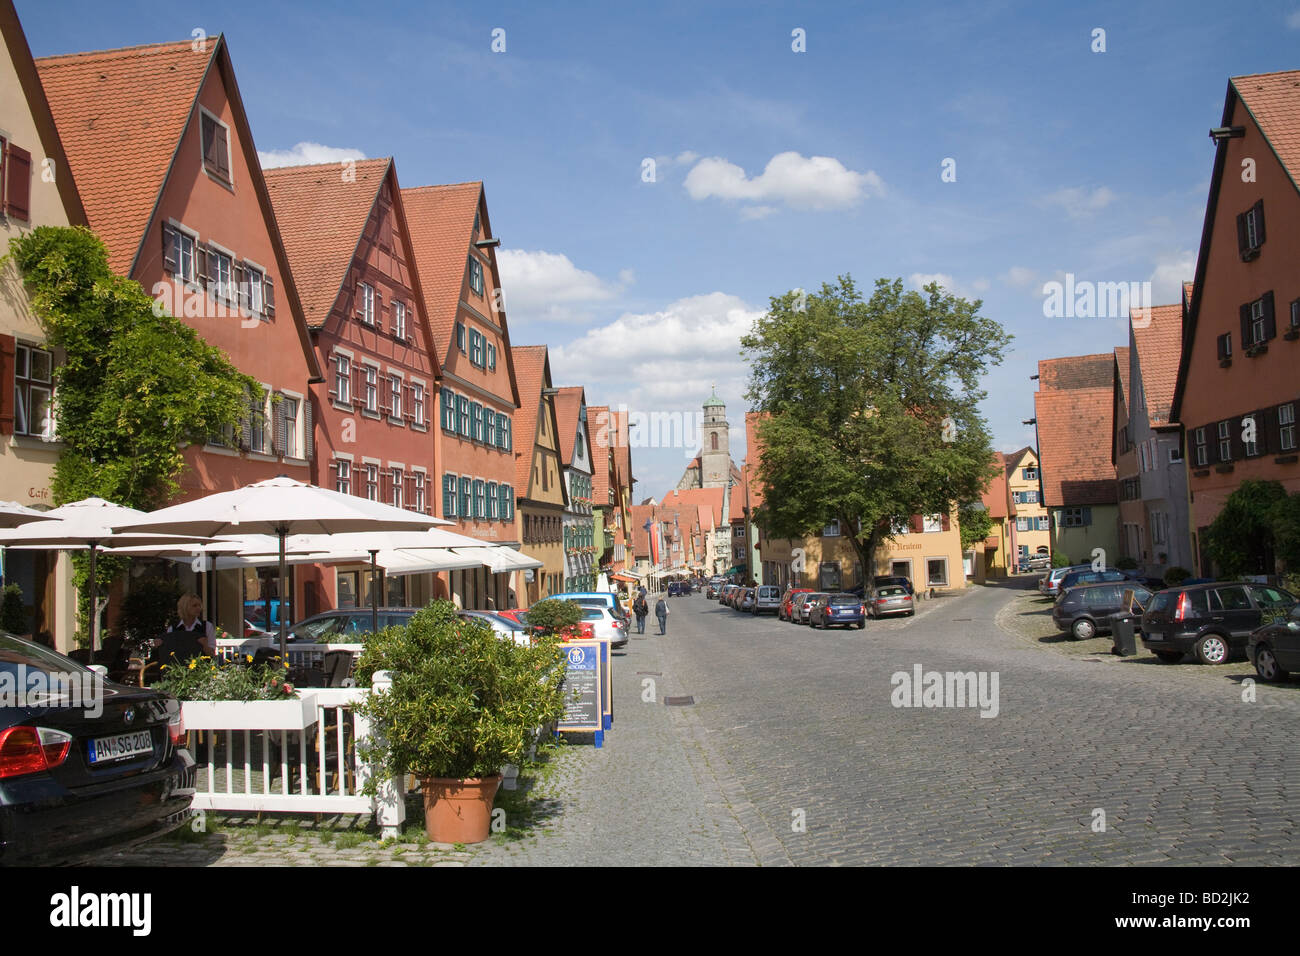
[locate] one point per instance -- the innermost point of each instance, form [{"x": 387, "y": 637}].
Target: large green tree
[
  {"x": 1242, "y": 539},
  {"x": 869, "y": 407},
  {"x": 136, "y": 384}
]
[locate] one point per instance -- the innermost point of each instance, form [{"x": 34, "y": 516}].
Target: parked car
[
  {"x": 711, "y": 592},
  {"x": 728, "y": 594},
  {"x": 1274, "y": 649},
  {"x": 606, "y": 626},
  {"x": 504, "y": 627},
  {"x": 745, "y": 600},
  {"x": 678, "y": 589},
  {"x": 1090, "y": 576},
  {"x": 767, "y": 597},
  {"x": 597, "y": 599},
  {"x": 786, "y": 612},
  {"x": 346, "y": 625},
  {"x": 520, "y": 616},
  {"x": 1084, "y": 611},
  {"x": 72, "y": 784},
  {"x": 1034, "y": 562},
  {"x": 1211, "y": 620},
  {"x": 838, "y": 610},
  {"x": 1049, "y": 584},
  {"x": 883, "y": 581},
  {"x": 804, "y": 605},
  {"x": 890, "y": 599}
]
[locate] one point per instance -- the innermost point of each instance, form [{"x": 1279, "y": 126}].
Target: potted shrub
[
  {"x": 235, "y": 696},
  {"x": 13, "y": 617},
  {"x": 463, "y": 703}
]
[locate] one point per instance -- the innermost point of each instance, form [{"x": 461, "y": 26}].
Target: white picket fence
[
  {"x": 292, "y": 756},
  {"x": 298, "y": 655}
]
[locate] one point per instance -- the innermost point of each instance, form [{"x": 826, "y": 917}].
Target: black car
[
  {"x": 1275, "y": 648},
  {"x": 1214, "y": 621},
  {"x": 85, "y": 764},
  {"x": 1083, "y": 611}
]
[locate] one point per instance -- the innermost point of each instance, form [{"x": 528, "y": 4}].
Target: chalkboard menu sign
[{"x": 584, "y": 693}]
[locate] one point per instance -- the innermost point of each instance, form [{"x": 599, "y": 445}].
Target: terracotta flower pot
[{"x": 459, "y": 811}]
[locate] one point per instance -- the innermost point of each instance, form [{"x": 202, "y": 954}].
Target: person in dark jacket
[
  {"x": 640, "y": 608},
  {"x": 661, "y": 612}
]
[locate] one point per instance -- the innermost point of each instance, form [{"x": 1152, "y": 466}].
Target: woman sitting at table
[{"x": 192, "y": 636}]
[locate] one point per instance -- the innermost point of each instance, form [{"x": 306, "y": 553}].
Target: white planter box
[{"x": 295, "y": 714}]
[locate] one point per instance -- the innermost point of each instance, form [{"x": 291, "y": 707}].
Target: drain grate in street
[
  {"x": 678, "y": 701},
  {"x": 649, "y": 674},
  {"x": 956, "y": 619}
]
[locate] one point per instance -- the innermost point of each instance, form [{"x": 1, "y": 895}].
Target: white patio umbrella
[
  {"x": 501, "y": 559},
  {"x": 429, "y": 551},
  {"x": 281, "y": 506},
  {"x": 88, "y": 524},
  {"x": 12, "y": 514}
]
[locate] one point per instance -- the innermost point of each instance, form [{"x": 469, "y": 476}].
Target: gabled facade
[
  {"x": 1158, "y": 470},
  {"x": 1029, "y": 525},
  {"x": 539, "y": 473},
  {"x": 708, "y": 507},
  {"x": 994, "y": 556},
  {"x": 346, "y": 236},
  {"x": 1237, "y": 394},
  {"x": 1074, "y": 408},
  {"x": 159, "y": 144},
  {"x": 455, "y": 254},
  {"x": 29, "y": 446},
  {"x": 581, "y": 550}
]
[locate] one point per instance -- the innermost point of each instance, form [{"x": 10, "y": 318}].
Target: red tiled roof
[
  {"x": 1273, "y": 99},
  {"x": 1188, "y": 289},
  {"x": 1159, "y": 348},
  {"x": 737, "y": 503},
  {"x": 441, "y": 221},
  {"x": 531, "y": 369},
  {"x": 321, "y": 220},
  {"x": 120, "y": 115},
  {"x": 1077, "y": 371},
  {"x": 640, "y": 537},
  {"x": 598, "y": 432},
  {"x": 753, "y": 456},
  {"x": 995, "y": 497},
  {"x": 1122, "y": 366},
  {"x": 708, "y": 497},
  {"x": 568, "y": 401},
  {"x": 1074, "y": 436}
]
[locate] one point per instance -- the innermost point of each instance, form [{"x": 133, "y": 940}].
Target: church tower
[{"x": 715, "y": 448}]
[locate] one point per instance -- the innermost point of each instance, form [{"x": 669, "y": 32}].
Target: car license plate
[{"x": 103, "y": 749}]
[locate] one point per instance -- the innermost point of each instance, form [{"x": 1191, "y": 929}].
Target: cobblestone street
[{"x": 794, "y": 753}]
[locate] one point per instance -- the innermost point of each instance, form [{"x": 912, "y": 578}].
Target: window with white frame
[
  {"x": 1201, "y": 446},
  {"x": 343, "y": 476},
  {"x": 395, "y": 388},
  {"x": 367, "y": 304},
  {"x": 1257, "y": 332},
  {"x": 253, "y": 284},
  {"x": 342, "y": 379},
  {"x": 417, "y": 403},
  {"x": 936, "y": 572},
  {"x": 1286, "y": 427},
  {"x": 34, "y": 392},
  {"x": 397, "y": 478},
  {"x": 1022, "y": 524},
  {"x": 372, "y": 480},
  {"x": 289, "y": 427},
  {"x": 220, "y": 275},
  {"x": 1225, "y": 441},
  {"x": 417, "y": 485},
  {"x": 399, "y": 319},
  {"x": 475, "y": 275},
  {"x": 1249, "y": 427},
  {"x": 932, "y": 523},
  {"x": 184, "y": 254},
  {"x": 1159, "y": 527},
  {"x": 371, "y": 396}
]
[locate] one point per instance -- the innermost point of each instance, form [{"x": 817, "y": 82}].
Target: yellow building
[
  {"x": 1030, "y": 523},
  {"x": 36, "y": 189},
  {"x": 926, "y": 550},
  {"x": 539, "y": 487}
]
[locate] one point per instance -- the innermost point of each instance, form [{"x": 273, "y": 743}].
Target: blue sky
[{"x": 773, "y": 169}]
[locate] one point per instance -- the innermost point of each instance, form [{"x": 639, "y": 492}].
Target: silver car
[
  {"x": 1050, "y": 584},
  {"x": 803, "y": 604},
  {"x": 767, "y": 598}
]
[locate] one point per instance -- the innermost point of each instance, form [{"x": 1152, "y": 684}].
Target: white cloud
[
  {"x": 548, "y": 286},
  {"x": 686, "y": 157},
  {"x": 1078, "y": 201},
  {"x": 1018, "y": 276},
  {"x": 816, "y": 182},
  {"x": 1171, "y": 271},
  {"x": 307, "y": 154},
  {"x": 922, "y": 279}
]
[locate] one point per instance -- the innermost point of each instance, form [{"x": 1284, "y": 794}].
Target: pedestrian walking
[
  {"x": 640, "y": 609},
  {"x": 661, "y": 612}
]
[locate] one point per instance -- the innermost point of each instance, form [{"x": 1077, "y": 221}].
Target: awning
[
  {"x": 500, "y": 559},
  {"x": 623, "y": 576}
]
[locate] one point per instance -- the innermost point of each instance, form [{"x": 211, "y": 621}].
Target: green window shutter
[{"x": 449, "y": 496}]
